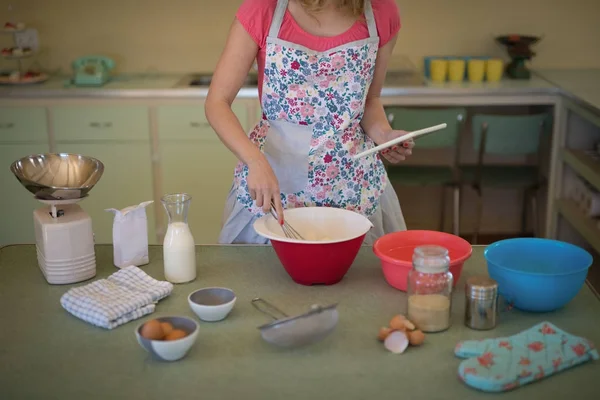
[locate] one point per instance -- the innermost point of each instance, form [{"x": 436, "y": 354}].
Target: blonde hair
[{"x": 355, "y": 8}]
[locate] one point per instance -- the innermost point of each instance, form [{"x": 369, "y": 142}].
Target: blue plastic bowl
[{"x": 538, "y": 275}]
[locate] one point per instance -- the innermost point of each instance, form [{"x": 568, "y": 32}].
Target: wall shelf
[
  {"x": 18, "y": 57},
  {"x": 586, "y": 227},
  {"x": 584, "y": 164}
]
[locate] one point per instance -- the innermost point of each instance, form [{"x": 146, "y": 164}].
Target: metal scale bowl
[
  {"x": 519, "y": 50},
  {"x": 63, "y": 230}
]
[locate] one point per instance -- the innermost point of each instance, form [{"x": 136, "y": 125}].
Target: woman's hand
[
  {"x": 400, "y": 151},
  {"x": 263, "y": 186}
]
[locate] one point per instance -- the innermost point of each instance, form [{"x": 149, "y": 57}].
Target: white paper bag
[{"x": 130, "y": 235}]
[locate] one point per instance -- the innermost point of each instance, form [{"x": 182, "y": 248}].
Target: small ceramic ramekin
[{"x": 212, "y": 304}]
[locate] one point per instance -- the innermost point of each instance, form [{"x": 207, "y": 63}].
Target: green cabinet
[
  {"x": 23, "y": 131},
  {"x": 16, "y": 226},
  {"x": 23, "y": 124},
  {"x": 193, "y": 160},
  {"x": 188, "y": 157},
  {"x": 119, "y": 137},
  {"x": 86, "y": 123}
]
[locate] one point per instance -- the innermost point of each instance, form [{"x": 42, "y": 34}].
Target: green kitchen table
[{"x": 45, "y": 353}]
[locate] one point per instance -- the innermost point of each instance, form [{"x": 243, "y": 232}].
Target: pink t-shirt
[{"x": 256, "y": 15}]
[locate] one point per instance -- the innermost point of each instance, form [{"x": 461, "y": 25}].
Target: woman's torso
[{"x": 256, "y": 17}]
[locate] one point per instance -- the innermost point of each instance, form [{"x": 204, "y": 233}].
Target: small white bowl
[
  {"x": 212, "y": 304},
  {"x": 171, "y": 350}
]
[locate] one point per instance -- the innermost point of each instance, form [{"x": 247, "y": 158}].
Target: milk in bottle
[{"x": 179, "y": 249}]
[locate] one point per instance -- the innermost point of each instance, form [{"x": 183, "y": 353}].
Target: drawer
[
  {"x": 93, "y": 123},
  {"x": 23, "y": 124},
  {"x": 189, "y": 122}
]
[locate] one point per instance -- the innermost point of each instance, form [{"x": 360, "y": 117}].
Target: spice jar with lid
[{"x": 430, "y": 289}]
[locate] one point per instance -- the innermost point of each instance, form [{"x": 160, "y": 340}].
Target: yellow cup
[
  {"x": 439, "y": 70},
  {"x": 494, "y": 70},
  {"x": 456, "y": 70},
  {"x": 476, "y": 70}
]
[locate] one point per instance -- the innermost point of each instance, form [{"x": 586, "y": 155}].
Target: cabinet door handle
[
  {"x": 194, "y": 124},
  {"x": 7, "y": 126},
  {"x": 100, "y": 124}
]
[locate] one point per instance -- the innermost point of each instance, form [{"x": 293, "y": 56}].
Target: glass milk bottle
[
  {"x": 179, "y": 249},
  {"x": 430, "y": 289}
]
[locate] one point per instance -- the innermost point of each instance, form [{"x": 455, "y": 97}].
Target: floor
[{"x": 593, "y": 274}]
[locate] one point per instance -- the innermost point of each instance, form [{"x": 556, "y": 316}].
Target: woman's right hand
[
  {"x": 230, "y": 73},
  {"x": 263, "y": 186}
]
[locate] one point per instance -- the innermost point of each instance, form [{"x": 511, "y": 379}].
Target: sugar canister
[
  {"x": 429, "y": 289},
  {"x": 481, "y": 303}
]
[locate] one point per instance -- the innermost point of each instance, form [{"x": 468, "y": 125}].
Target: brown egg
[
  {"x": 416, "y": 338},
  {"x": 397, "y": 323},
  {"x": 176, "y": 334},
  {"x": 384, "y": 332},
  {"x": 152, "y": 330},
  {"x": 166, "y": 328}
]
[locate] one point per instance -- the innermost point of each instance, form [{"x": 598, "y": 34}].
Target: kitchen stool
[
  {"x": 411, "y": 119},
  {"x": 506, "y": 135}
]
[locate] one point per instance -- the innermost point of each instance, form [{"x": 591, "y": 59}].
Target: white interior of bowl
[{"x": 317, "y": 225}]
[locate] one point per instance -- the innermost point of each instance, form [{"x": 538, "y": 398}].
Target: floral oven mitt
[{"x": 501, "y": 364}]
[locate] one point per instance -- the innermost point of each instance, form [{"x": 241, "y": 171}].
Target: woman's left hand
[{"x": 400, "y": 151}]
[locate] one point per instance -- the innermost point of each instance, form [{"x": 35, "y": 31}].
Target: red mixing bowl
[
  {"x": 395, "y": 250},
  {"x": 334, "y": 238}
]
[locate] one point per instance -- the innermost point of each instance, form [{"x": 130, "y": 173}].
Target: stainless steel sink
[{"x": 203, "y": 80}]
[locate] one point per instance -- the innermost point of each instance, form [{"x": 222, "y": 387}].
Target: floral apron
[{"x": 313, "y": 103}]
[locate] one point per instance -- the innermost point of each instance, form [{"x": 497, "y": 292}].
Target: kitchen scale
[
  {"x": 63, "y": 230},
  {"x": 519, "y": 50}
]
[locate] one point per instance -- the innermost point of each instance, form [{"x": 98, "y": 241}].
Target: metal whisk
[{"x": 287, "y": 229}]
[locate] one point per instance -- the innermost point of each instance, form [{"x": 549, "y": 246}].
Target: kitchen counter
[
  {"x": 166, "y": 86},
  {"x": 144, "y": 85},
  {"x": 48, "y": 354},
  {"x": 580, "y": 85}
]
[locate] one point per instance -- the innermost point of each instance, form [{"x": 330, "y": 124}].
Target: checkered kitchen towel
[{"x": 126, "y": 295}]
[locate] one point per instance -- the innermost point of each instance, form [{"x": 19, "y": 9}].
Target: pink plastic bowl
[{"x": 395, "y": 251}]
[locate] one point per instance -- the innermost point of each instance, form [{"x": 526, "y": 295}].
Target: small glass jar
[{"x": 430, "y": 289}]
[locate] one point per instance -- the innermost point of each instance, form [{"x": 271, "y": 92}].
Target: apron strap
[
  {"x": 278, "y": 18},
  {"x": 370, "y": 17},
  {"x": 282, "y": 8}
]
